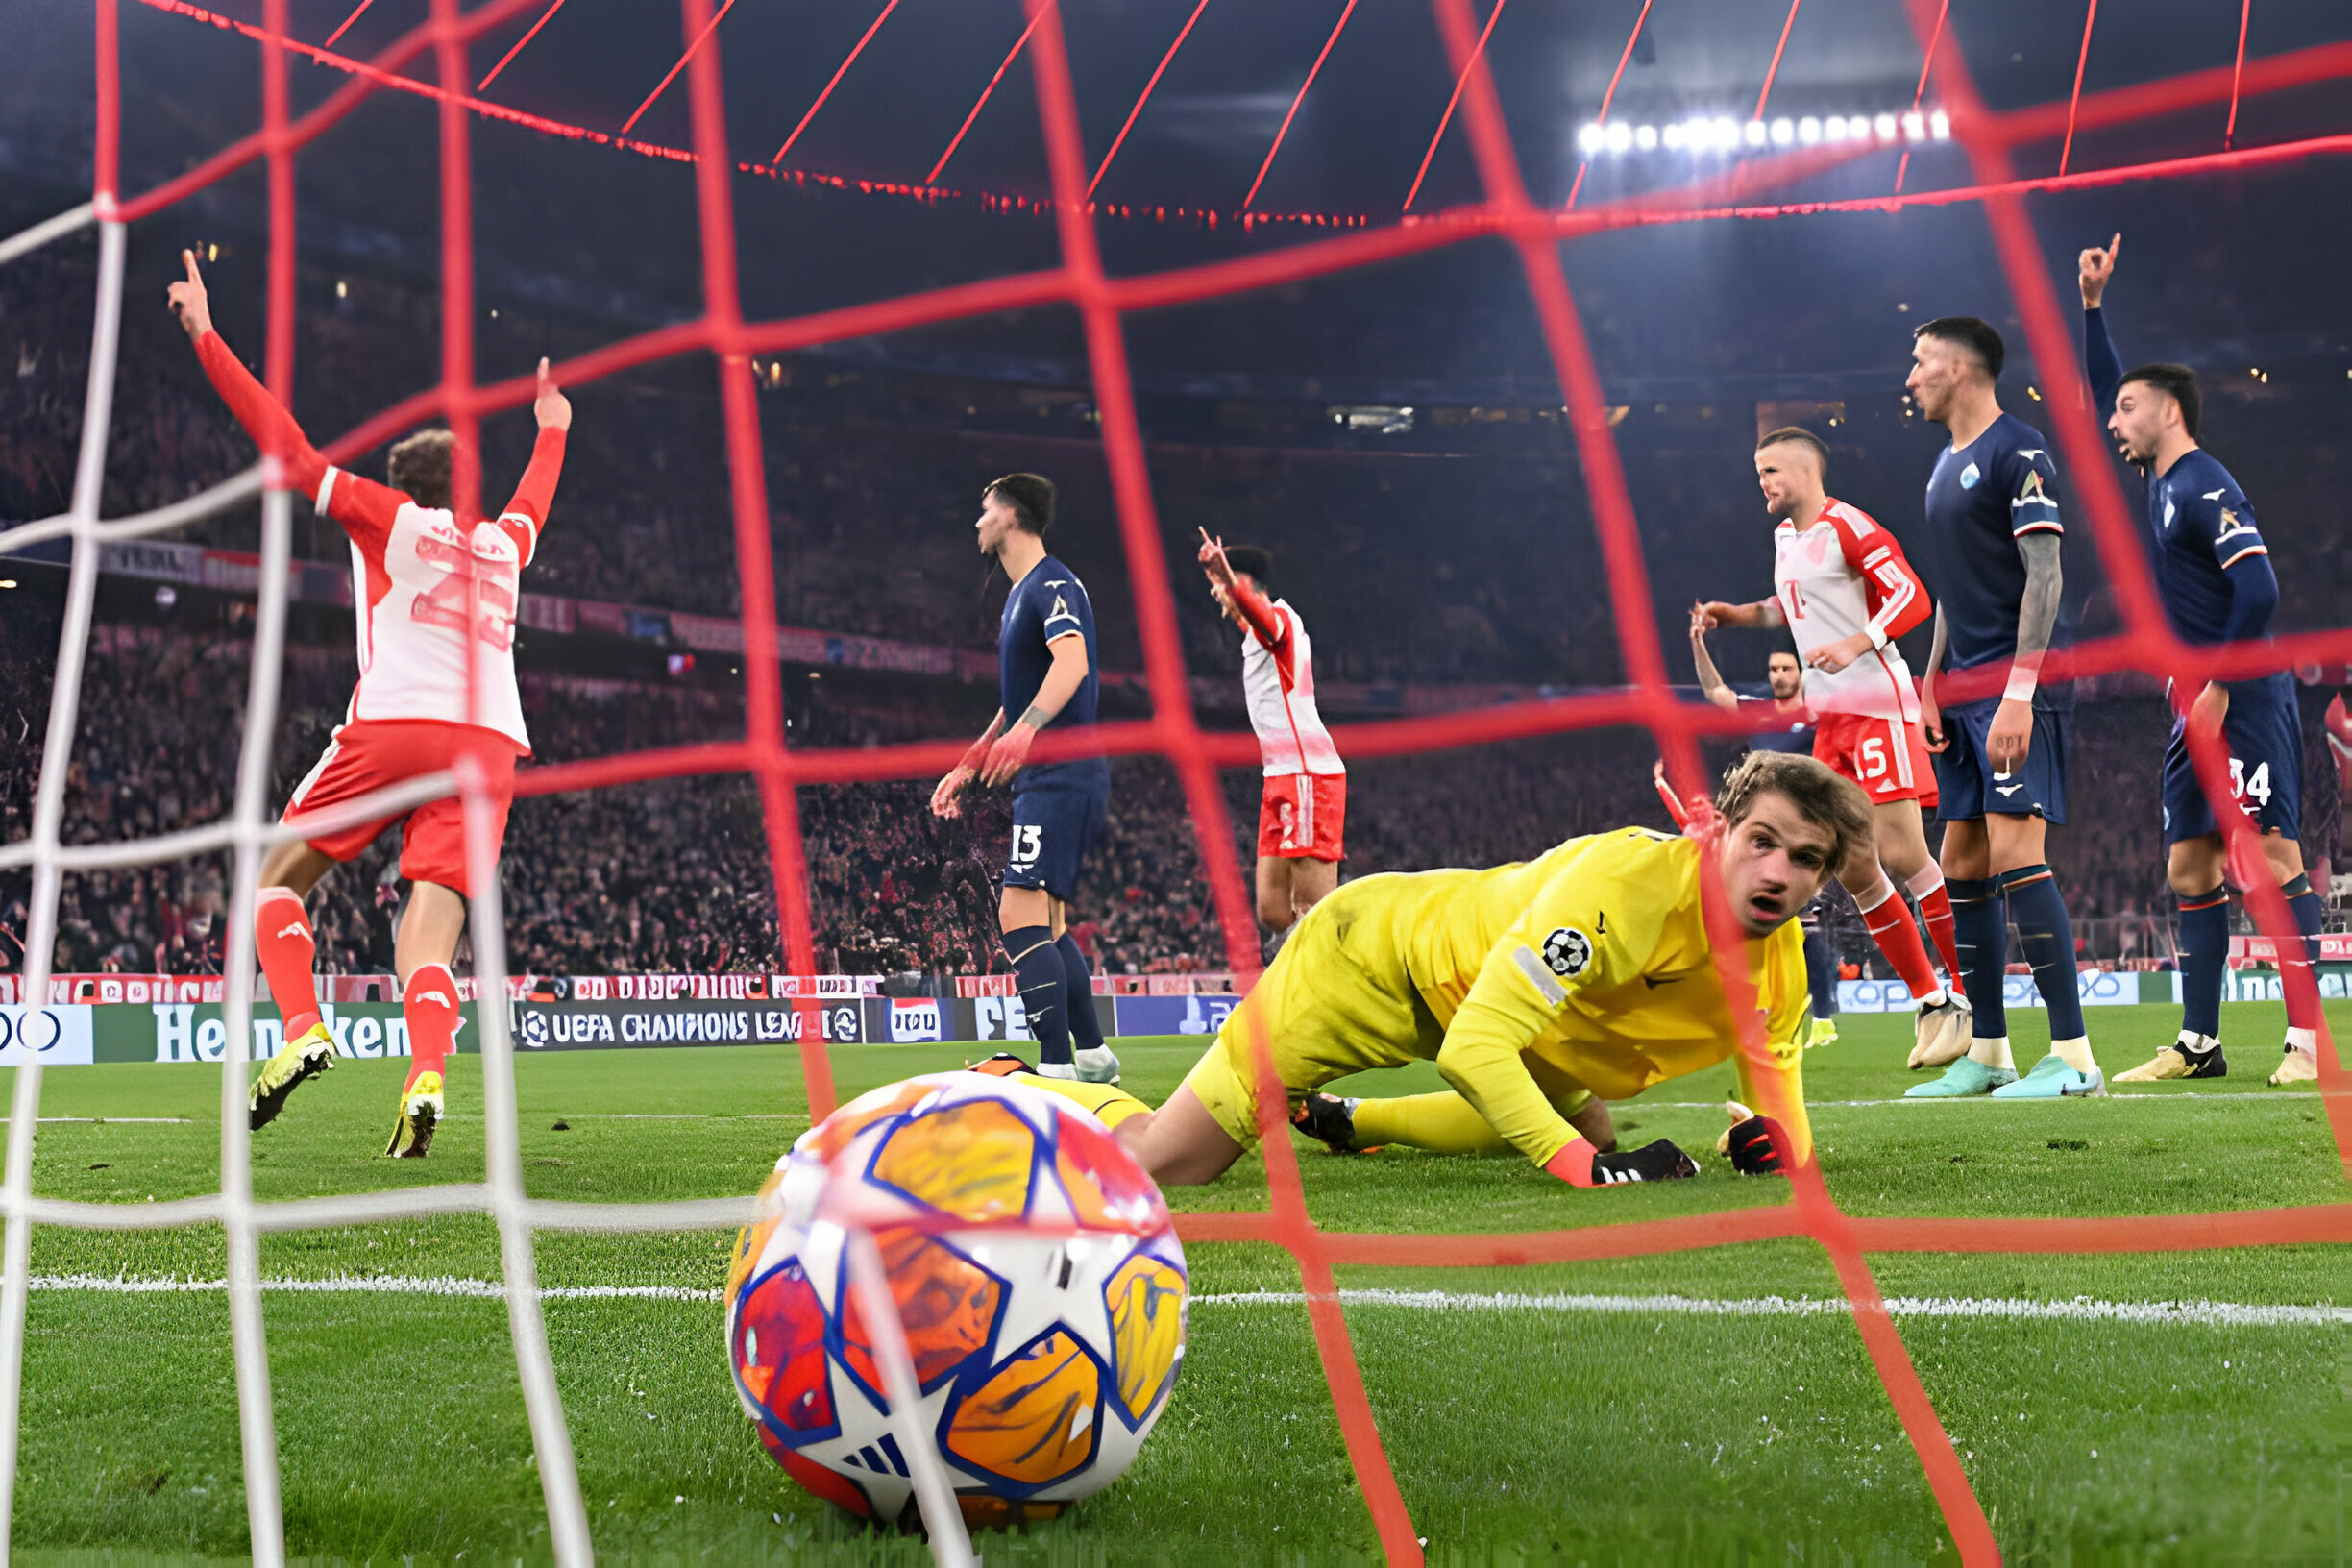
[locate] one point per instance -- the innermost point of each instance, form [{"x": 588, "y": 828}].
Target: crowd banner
[
  {"x": 622, "y": 1025},
  {"x": 194, "y": 1032},
  {"x": 2100, "y": 988},
  {"x": 2335, "y": 948}
]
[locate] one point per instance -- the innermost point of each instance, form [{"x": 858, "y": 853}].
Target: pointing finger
[
  {"x": 193, "y": 275},
  {"x": 543, "y": 381}
]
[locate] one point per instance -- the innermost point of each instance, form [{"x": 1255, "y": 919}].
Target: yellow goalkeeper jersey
[{"x": 1595, "y": 957}]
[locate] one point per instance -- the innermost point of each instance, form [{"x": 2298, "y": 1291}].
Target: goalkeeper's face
[{"x": 1774, "y": 861}]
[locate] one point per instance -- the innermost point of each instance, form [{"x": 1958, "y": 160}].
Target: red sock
[
  {"x": 1935, "y": 908},
  {"x": 1892, "y": 929},
  {"x": 281, "y": 936},
  {"x": 429, "y": 1003}
]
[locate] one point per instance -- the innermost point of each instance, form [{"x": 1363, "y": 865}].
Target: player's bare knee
[
  {"x": 2192, "y": 867},
  {"x": 2285, "y": 855},
  {"x": 1277, "y": 914}
]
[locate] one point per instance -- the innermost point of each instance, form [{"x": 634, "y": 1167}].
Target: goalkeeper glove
[
  {"x": 1753, "y": 1142},
  {"x": 1579, "y": 1165}
]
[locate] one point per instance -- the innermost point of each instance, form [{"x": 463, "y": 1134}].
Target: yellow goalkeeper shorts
[{"x": 1335, "y": 1001}]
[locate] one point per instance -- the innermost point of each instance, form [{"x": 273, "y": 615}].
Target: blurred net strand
[
  {"x": 231, "y": 492},
  {"x": 2245, "y": 15},
  {"x": 1446, "y": 119},
  {"x": 2145, "y": 624},
  {"x": 1644, "y": 660},
  {"x": 1607, "y": 97},
  {"x": 2082, "y": 61},
  {"x": 545, "y": 17},
  {"x": 1172, "y": 696},
  {"x": 1286, "y": 1218},
  {"x": 1282, "y": 130},
  {"x": 630, "y": 124},
  {"x": 957, "y": 140},
  {"x": 843, "y": 69},
  {"x": 2047, "y": 121},
  {"x": 1120, "y": 141},
  {"x": 48, "y": 815},
  {"x": 1918, "y": 94},
  {"x": 1764, "y": 97}
]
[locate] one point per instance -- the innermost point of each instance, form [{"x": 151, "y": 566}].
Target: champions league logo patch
[
  {"x": 1568, "y": 952},
  {"x": 1968, "y": 478}
]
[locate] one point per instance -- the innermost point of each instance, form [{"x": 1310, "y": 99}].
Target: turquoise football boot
[
  {"x": 1966, "y": 1076},
  {"x": 2053, "y": 1078}
]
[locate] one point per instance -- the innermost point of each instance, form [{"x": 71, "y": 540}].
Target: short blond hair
[{"x": 1835, "y": 806}]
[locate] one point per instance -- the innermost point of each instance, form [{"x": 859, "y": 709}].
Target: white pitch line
[
  {"x": 2082, "y": 1308},
  {"x": 144, "y": 1121},
  {"x": 372, "y": 1284}
]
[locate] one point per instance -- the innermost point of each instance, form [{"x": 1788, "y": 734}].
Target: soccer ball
[{"x": 1035, "y": 1267}]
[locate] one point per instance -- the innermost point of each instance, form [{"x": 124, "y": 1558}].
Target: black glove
[
  {"x": 1658, "y": 1161},
  {"x": 1755, "y": 1145}
]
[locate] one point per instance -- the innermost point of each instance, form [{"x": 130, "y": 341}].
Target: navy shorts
[
  {"x": 1055, "y": 824},
  {"x": 2266, "y": 764},
  {"x": 1970, "y": 788}
]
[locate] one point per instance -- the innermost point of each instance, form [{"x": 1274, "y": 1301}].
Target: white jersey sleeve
[
  {"x": 1821, "y": 574},
  {"x": 1279, "y": 684}
]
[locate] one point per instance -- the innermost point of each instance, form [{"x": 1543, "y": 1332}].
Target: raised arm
[
  {"x": 1710, "y": 681},
  {"x": 2100, "y": 362},
  {"x": 363, "y": 507},
  {"x": 273, "y": 429},
  {"x": 526, "y": 513}
]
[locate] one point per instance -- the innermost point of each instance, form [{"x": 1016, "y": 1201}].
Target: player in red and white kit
[
  {"x": 425, "y": 699},
  {"x": 1845, "y": 591},
  {"x": 1304, "y": 809}
]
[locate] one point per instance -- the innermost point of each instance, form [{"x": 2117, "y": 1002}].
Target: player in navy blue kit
[
  {"x": 1047, "y": 674},
  {"x": 2213, "y": 572},
  {"x": 1994, "y": 531}
]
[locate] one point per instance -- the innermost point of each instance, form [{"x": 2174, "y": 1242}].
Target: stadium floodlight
[
  {"x": 1754, "y": 134},
  {"x": 1885, "y": 125},
  {"x": 1833, "y": 129},
  {"x": 1620, "y": 136},
  {"x": 1915, "y": 126},
  {"x": 1939, "y": 126},
  {"x": 1727, "y": 132},
  {"x": 1590, "y": 138},
  {"x": 1783, "y": 132},
  {"x": 1645, "y": 136},
  {"x": 1673, "y": 138},
  {"x": 1808, "y": 130}
]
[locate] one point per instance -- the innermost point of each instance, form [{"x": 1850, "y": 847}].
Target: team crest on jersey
[
  {"x": 1969, "y": 477},
  {"x": 1568, "y": 952}
]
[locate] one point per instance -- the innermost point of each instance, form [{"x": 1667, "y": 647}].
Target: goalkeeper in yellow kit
[{"x": 1539, "y": 990}]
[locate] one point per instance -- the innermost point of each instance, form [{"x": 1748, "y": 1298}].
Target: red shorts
[
  {"x": 1887, "y": 757},
  {"x": 365, "y": 756},
  {"x": 1302, "y": 816}
]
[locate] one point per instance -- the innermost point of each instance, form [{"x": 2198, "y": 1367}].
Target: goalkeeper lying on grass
[{"x": 1540, "y": 990}]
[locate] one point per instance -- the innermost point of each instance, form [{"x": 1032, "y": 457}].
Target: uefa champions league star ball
[{"x": 1035, "y": 1270}]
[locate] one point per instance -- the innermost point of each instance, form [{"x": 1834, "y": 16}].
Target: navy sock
[
  {"x": 2304, "y": 902},
  {"x": 1820, "y": 973},
  {"x": 1078, "y": 982},
  {"x": 1981, "y": 934},
  {"x": 2201, "y": 936},
  {"x": 2048, "y": 937},
  {"x": 1036, "y": 964}
]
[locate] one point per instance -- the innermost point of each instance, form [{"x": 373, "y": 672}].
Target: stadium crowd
[{"x": 673, "y": 876}]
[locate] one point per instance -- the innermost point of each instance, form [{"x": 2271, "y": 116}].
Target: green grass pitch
[{"x": 1546, "y": 1432}]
